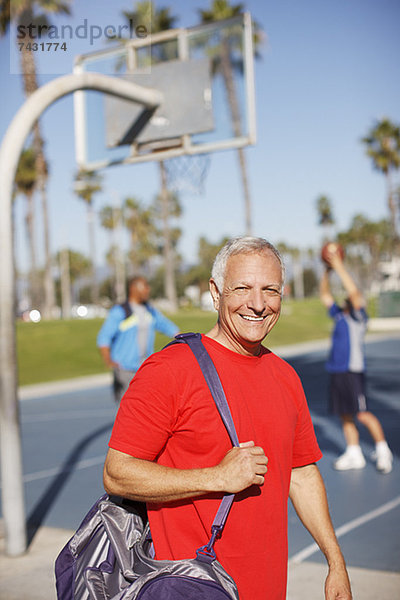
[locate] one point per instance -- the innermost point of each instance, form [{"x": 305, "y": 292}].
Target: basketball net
[{"x": 187, "y": 174}]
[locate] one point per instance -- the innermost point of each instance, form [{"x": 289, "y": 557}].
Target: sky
[{"x": 328, "y": 70}]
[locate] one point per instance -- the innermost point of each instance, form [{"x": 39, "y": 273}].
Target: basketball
[{"x": 329, "y": 248}]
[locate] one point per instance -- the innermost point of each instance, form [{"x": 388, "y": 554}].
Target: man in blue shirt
[
  {"x": 346, "y": 365},
  {"x": 126, "y": 338}
]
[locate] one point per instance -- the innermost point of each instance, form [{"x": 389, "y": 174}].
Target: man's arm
[
  {"x": 308, "y": 495},
  {"x": 146, "y": 481},
  {"x": 325, "y": 290},
  {"x": 348, "y": 282},
  {"x": 164, "y": 325},
  {"x": 105, "y": 352},
  {"x": 336, "y": 263},
  {"x": 106, "y": 334}
]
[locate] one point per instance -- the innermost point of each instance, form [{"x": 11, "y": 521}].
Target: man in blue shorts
[
  {"x": 126, "y": 338},
  {"x": 346, "y": 365}
]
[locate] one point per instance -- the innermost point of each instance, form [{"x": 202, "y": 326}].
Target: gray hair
[{"x": 241, "y": 245}]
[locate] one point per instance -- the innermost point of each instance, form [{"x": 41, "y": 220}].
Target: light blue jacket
[{"x": 120, "y": 335}]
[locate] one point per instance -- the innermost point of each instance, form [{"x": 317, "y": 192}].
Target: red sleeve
[
  {"x": 147, "y": 412},
  {"x": 305, "y": 447}
]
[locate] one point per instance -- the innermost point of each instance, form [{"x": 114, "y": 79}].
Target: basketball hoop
[
  {"x": 182, "y": 67},
  {"x": 187, "y": 174}
]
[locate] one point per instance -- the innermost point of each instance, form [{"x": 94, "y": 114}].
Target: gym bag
[{"x": 111, "y": 557}]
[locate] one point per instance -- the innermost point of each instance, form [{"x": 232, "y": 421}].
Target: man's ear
[{"x": 214, "y": 293}]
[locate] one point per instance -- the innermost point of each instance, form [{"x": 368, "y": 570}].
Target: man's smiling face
[{"x": 250, "y": 302}]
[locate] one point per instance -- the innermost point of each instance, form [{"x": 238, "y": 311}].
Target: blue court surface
[
  {"x": 365, "y": 504},
  {"x": 65, "y": 439}
]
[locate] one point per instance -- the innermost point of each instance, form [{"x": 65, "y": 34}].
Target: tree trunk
[
  {"x": 133, "y": 265},
  {"x": 298, "y": 277},
  {"x": 227, "y": 74},
  {"x": 66, "y": 298},
  {"x": 246, "y": 191},
  {"x": 119, "y": 276},
  {"x": 95, "y": 294},
  {"x": 30, "y": 85},
  {"x": 30, "y": 234},
  {"x": 391, "y": 204},
  {"x": 118, "y": 256},
  {"x": 168, "y": 251},
  {"x": 49, "y": 292}
]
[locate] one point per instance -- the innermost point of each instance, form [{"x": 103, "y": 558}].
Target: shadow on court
[{"x": 51, "y": 493}]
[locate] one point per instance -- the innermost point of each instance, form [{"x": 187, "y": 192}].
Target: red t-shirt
[{"x": 169, "y": 416}]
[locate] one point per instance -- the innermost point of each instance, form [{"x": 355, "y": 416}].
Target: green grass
[
  {"x": 53, "y": 350},
  {"x": 300, "y": 321}
]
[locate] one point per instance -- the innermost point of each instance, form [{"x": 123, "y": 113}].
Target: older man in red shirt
[{"x": 170, "y": 449}]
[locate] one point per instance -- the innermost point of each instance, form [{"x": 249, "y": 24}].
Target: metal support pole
[{"x": 10, "y": 151}]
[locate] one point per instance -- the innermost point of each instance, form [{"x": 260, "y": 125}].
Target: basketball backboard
[{"x": 206, "y": 76}]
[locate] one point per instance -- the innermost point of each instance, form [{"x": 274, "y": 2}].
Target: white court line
[
  {"x": 369, "y": 516},
  {"x": 54, "y": 388},
  {"x": 82, "y": 464},
  {"x": 67, "y": 415}
]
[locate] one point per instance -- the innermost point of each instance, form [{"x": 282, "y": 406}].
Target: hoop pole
[{"x": 10, "y": 436}]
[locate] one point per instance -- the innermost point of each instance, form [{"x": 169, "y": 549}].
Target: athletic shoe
[
  {"x": 351, "y": 459},
  {"x": 384, "y": 460}
]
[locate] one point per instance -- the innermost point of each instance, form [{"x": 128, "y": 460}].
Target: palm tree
[
  {"x": 140, "y": 224},
  {"x": 111, "y": 218},
  {"x": 87, "y": 184},
  {"x": 166, "y": 206},
  {"x": 154, "y": 19},
  {"x": 224, "y": 63},
  {"x": 157, "y": 20},
  {"x": 79, "y": 265},
  {"x": 326, "y": 218},
  {"x": 296, "y": 260},
  {"x": 367, "y": 243},
  {"x": 25, "y": 181},
  {"x": 199, "y": 274},
  {"x": 65, "y": 281},
  {"x": 383, "y": 146},
  {"x": 23, "y": 13},
  {"x": 73, "y": 266}
]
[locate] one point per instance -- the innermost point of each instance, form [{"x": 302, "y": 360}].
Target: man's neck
[
  {"x": 218, "y": 335},
  {"x": 136, "y": 301}
]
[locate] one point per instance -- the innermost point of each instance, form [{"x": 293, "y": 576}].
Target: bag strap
[
  {"x": 193, "y": 340},
  {"x": 127, "y": 308}
]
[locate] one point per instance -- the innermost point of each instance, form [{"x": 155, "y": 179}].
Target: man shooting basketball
[{"x": 346, "y": 365}]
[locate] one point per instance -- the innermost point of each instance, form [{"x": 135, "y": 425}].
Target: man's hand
[
  {"x": 106, "y": 356},
  {"x": 333, "y": 257},
  {"x": 325, "y": 289},
  {"x": 354, "y": 294},
  {"x": 337, "y": 585},
  {"x": 241, "y": 468},
  {"x": 307, "y": 492},
  {"x": 335, "y": 260},
  {"x": 146, "y": 481}
]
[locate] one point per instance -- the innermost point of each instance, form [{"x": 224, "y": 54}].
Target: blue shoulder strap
[
  {"x": 193, "y": 340},
  {"x": 127, "y": 308}
]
